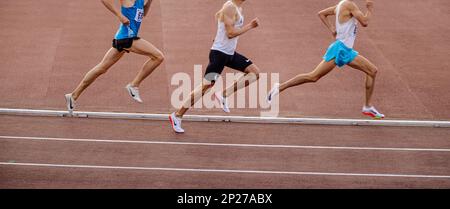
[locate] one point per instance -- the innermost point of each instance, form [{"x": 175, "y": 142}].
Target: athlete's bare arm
[
  {"x": 358, "y": 14},
  {"x": 323, "y": 15},
  {"x": 147, "y": 7},
  {"x": 229, "y": 14},
  {"x": 109, "y": 4}
]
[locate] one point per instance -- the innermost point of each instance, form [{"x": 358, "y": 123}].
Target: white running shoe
[
  {"x": 273, "y": 93},
  {"x": 372, "y": 112},
  {"x": 134, "y": 93},
  {"x": 223, "y": 102},
  {"x": 70, "y": 103},
  {"x": 176, "y": 123}
]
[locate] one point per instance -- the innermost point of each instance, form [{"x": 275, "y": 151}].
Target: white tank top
[
  {"x": 222, "y": 42},
  {"x": 346, "y": 32}
]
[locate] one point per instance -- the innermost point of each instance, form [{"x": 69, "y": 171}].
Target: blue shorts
[{"x": 341, "y": 54}]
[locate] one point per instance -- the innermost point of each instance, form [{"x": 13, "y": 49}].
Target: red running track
[{"x": 46, "y": 57}]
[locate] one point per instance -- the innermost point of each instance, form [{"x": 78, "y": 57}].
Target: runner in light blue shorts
[{"x": 341, "y": 52}]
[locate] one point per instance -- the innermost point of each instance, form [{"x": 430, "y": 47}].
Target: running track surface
[
  {"x": 51, "y": 44},
  {"x": 132, "y": 150}
]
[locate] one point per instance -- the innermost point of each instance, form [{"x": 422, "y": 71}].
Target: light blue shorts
[{"x": 341, "y": 54}]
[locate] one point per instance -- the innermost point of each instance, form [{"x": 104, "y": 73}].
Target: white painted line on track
[
  {"x": 227, "y": 145},
  {"x": 237, "y": 119},
  {"x": 226, "y": 170}
]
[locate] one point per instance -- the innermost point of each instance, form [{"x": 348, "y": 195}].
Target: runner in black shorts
[{"x": 223, "y": 54}]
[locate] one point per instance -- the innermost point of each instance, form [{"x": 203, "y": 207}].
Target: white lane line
[
  {"x": 226, "y": 170},
  {"x": 237, "y": 119},
  {"x": 227, "y": 145}
]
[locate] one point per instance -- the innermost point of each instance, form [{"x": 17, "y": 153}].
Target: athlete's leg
[
  {"x": 363, "y": 64},
  {"x": 321, "y": 70},
  {"x": 217, "y": 61},
  {"x": 251, "y": 75},
  {"x": 145, "y": 48},
  {"x": 194, "y": 97},
  {"x": 111, "y": 57}
]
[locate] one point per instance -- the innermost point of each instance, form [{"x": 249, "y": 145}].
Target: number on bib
[{"x": 139, "y": 15}]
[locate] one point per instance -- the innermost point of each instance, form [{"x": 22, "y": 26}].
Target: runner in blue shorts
[
  {"x": 341, "y": 52},
  {"x": 126, "y": 40}
]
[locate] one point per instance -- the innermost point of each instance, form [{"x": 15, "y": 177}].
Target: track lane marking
[
  {"x": 226, "y": 170},
  {"x": 235, "y": 119},
  {"x": 226, "y": 145}
]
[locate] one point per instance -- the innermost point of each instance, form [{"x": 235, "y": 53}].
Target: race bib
[{"x": 139, "y": 15}]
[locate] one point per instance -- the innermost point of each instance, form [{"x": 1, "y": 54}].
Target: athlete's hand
[
  {"x": 124, "y": 20},
  {"x": 369, "y": 4},
  {"x": 254, "y": 23}
]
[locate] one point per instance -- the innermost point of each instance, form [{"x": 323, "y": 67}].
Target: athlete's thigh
[
  {"x": 363, "y": 64},
  {"x": 323, "y": 68},
  {"x": 217, "y": 62},
  {"x": 240, "y": 63},
  {"x": 144, "y": 47},
  {"x": 111, "y": 57}
]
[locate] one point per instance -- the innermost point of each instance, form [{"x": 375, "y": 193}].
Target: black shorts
[
  {"x": 219, "y": 60},
  {"x": 123, "y": 44}
]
